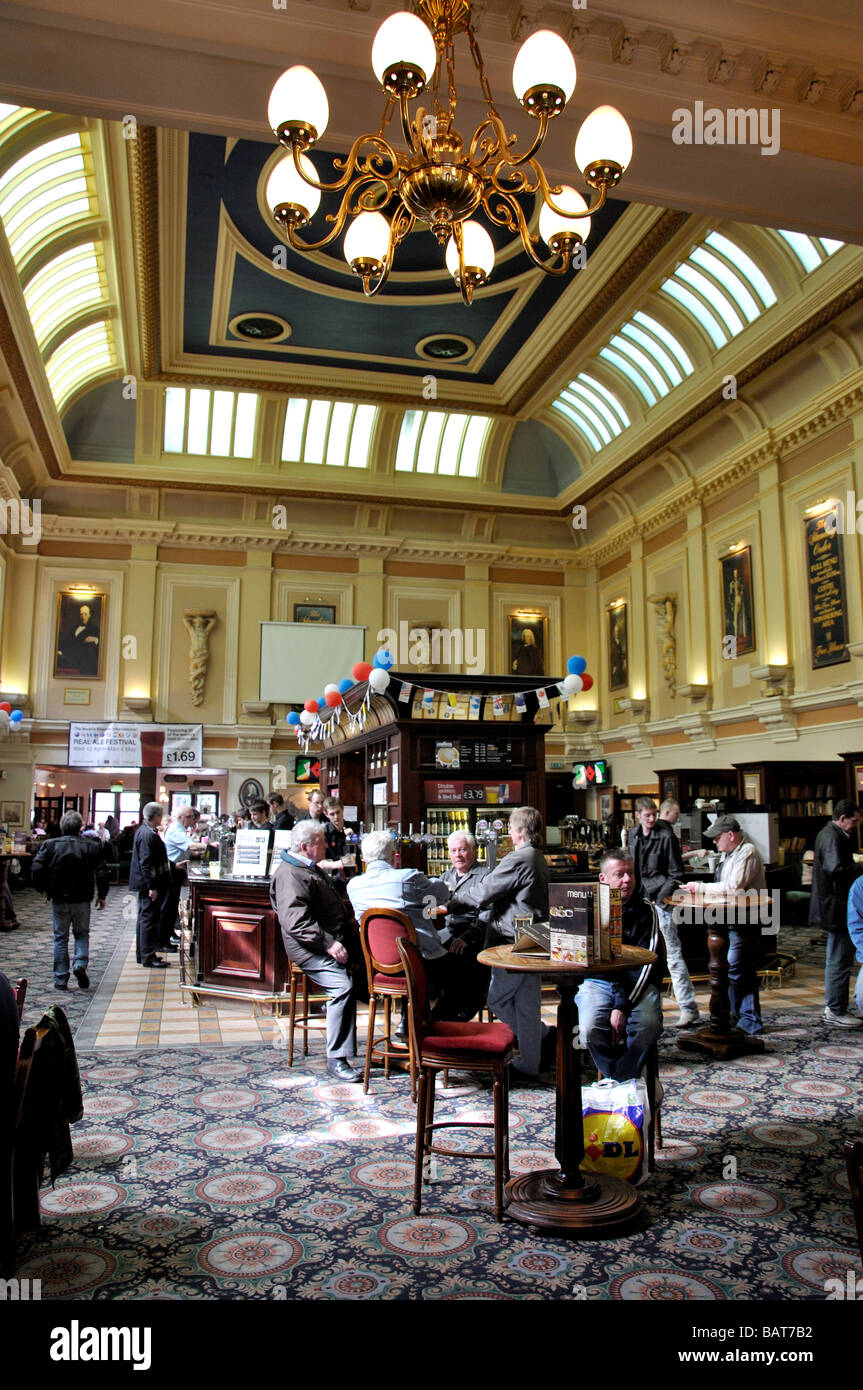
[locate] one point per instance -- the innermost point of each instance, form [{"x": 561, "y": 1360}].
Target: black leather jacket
[
  {"x": 71, "y": 869},
  {"x": 658, "y": 863},
  {"x": 149, "y": 868}
]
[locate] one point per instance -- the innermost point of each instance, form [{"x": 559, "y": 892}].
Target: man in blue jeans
[
  {"x": 833, "y": 874},
  {"x": 71, "y": 871},
  {"x": 620, "y": 1019}
]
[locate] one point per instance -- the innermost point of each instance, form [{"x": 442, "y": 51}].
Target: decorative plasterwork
[
  {"x": 144, "y": 187},
  {"x": 778, "y": 717}
]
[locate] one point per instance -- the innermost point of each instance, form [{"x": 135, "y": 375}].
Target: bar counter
[{"x": 237, "y": 944}]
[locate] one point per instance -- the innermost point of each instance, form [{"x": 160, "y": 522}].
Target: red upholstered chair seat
[
  {"x": 489, "y": 1039},
  {"x": 395, "y": 984}
]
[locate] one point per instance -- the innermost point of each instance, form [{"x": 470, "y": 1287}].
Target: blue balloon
[
  {"x": 346, "y": 684},
  {"x": 576, "y": 665},
  {"x": 382, "y": 659},
  {"x": 293, "y": 717},
  {"x": 322, "y": 704},
  {"x": 16, "y": 716}
]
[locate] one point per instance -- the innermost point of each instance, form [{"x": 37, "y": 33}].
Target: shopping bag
[{"x": 616, "y": 1115}]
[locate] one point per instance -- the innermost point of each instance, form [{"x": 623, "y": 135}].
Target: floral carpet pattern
[{"x": 226, "y": 1175}]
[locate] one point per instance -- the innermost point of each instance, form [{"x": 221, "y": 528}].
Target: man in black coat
[
  {"x": 658, "y": 871},
  {"x": 833, "y": 873},
  {"x": 281, "y": 816},
  {"x": 71, "y": 871},
  {"x": 320, "y": 937},
  {"x": 150, "y": 878}
]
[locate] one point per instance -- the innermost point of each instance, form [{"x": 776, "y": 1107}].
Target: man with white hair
[
  {"x": 319, "y": 936},
  {"x": 464, "y": 933},
  {"x": 740, "y": 869},
  {"x": 411, "y": 892},
  {"x": 150, "y": 878}
]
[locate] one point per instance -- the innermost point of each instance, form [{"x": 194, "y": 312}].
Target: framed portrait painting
[
  {"x": 79, "y": 645},
  {"x": 527, "y": 644},
  {"x": 314, "y": 612},
  {"x": 738, "y": 633},
  {"x": 618, "y": 647}
]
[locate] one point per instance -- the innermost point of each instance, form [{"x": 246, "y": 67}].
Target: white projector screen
[{"x": 299, "y": 659}]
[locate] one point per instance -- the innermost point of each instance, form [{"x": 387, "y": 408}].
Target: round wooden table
[
  {"x": 583, "y": 1205},
  {"x": 718, "y": 1038}
]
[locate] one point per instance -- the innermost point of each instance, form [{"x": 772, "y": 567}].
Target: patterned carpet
[{"x": 221, "y": 1174}]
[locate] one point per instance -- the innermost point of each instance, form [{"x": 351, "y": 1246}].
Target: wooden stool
[{"x": 303, "y": 1017}]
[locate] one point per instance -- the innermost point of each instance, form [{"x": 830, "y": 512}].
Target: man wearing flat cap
[{"x": 739, "y": 869}]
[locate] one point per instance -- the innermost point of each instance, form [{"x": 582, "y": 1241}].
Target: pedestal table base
[{"x": 601, "y": 1207}]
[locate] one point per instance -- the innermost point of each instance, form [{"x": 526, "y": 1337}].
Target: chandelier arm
[
  {"x": 465, "y": 288},
  {"x": 345, "y": 209},
  {"x": 401, "y": 224},
  {"x": 407, "y": 125},
  {"x": 491, "y": 142},
  {"x": 519, "y": 180},
  {"x": 548, "y": 191},
  {"x": 352, "y": 162},
  {"x": 511, "y": 215}
]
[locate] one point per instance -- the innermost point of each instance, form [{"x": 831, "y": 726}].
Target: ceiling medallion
[
  {"x": 445, "y": 347},
  {"x": 260, "y": 328},
  {"x": 441, "y": 179}
]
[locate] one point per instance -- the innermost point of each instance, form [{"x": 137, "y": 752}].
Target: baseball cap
[{"x": 721, "y": 825}]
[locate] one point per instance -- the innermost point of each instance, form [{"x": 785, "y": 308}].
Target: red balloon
[
  {"x": 361, "y": 671},
  {"x": 586, "y": 682},
  {"x": 6, "y": 706},
  {"x": 334, "y": 699},
  {"x": 311, "y": 706}
]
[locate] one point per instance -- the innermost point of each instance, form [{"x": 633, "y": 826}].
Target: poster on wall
[
  {"x": 828, "y": 610},
  {"x": 618, "y": 647},
  {"x": 78, "y": 635},
  {"x": 136, "y": 745},
  {"x": 737, "y": 606}
]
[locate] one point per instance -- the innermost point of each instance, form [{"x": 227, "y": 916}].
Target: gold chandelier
[{"x": 440, "y": 180}]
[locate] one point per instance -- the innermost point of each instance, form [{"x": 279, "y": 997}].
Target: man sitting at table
[
  {"x": 739, "y": 869},
  {"x": 464, "y": 931},
  {"x": 320, "y": 937},
  {"x": 409, "y": 891},
  {"x": 621, "y": 1018}
]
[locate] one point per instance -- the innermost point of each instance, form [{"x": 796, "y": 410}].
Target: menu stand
[{"x": 582, "y": 1205}]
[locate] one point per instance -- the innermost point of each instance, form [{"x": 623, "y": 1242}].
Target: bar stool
[
  {"x": 380, "y": 928},
  {"x": 302, "y": 1018},
  {"x": 474, "y": 1046}
]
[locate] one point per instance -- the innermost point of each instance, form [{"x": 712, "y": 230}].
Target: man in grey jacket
[
  {"x": 319, "y": 937},
  {"x": 516, "y": 887}
]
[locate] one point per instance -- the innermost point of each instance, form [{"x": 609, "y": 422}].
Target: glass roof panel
[
  {"x": 607, "y": 395},
  {"x": 673, "y": 344},
  {"x": 804, "y": 249},
  {"x": 699, "y": 311},
  {"x": 408, "y": 436},
  {"x": 576, "y": 398},
  {"x": 641, "y": 359},
  {"x": 639, "y": 381},
  {"x": 719, "y": 302},
  {"x": 429, "y": 441},
  {"x": 316, "y": 431},
  {"x": 732, "y": 282},
  {"x": 472, "y": 446},
  {"x": 244, "y": 424},
  {"x": 295, "y": 423},
  {"x": 653, "y": 349},
  {"x": 581, "y": 424},
  {"x": 361, "y": 435},
  {"x": 745, "y": 265},
  {"x": 340, "y": 428},
  {"x": 451, "y": 444}
]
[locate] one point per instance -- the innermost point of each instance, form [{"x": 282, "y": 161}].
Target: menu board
[
  {"x": 828, "y": 613},
  {"x": 488, "y": 793},
  {"x": 469, "y": 753}
]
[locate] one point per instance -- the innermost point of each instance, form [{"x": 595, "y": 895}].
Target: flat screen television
[
  {"x": 307, "y": 769},
  {"x": 595, "y": 774}
]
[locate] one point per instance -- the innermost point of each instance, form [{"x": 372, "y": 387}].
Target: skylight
[
  {"x": 809, "y": 250},
  {"x": 218, "y": 423},
  {"x": 435, "y": 441},
  {"x": 48, "y": 196},
  {"x": 335, "y": 433}
]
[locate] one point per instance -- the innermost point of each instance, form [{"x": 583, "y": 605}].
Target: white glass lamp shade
[
  {"x": 285, "y": 185},
  {"x": 551, "y": 223},
  {"x": 543, "y": 60},
  {"x": 367, "y": 238},
  {"x": 403, "y": 40},
  {"x": 299, "y": 97},
  {"x": 603, "y": 138},
  {"x": 478, "y": 250}
]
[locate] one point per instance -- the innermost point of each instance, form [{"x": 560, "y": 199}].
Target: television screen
[
  {"x": 307, "y": 769},
  {"x": 595, "y": 774}
]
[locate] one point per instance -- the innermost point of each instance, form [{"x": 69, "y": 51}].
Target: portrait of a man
[
  {"x": 78, "y": 651},
  {"x": 527, "y": 641},
  {"x": 737, "y": 602},
  {"x": 618, "y": 648}
]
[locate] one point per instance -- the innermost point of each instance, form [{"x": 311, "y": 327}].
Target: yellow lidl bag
[{"x": 616, "y": 1115}]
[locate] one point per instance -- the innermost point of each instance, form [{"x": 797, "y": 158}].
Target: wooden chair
[
  {"x": 303, "y": 1017},
  {"x": 482, "y": 1047},
  {"x": 853, "y": 1149},
  {"x": 380, "y": 929}
]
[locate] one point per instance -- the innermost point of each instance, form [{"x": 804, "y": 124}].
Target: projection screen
[{"x": 299, "y": 659}]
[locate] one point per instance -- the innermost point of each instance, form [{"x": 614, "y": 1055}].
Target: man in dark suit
[
  {"x": 281, "y": 816},
  {"x": 320, "y": 937},
  {"x": 79, "y": 644},
  {"x": 833, "y": 874},
  {"x": 150, "y": 878}
]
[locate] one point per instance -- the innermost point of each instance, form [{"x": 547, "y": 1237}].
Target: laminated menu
[{"x": 590, "y": 912}]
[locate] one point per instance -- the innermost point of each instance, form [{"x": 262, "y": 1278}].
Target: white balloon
[
  {"x": 307, "y": 719},
  {"x": 378, "y": 679},
  {"x": 571, "y": 685},
  {"x": 330, "y": 689}
]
